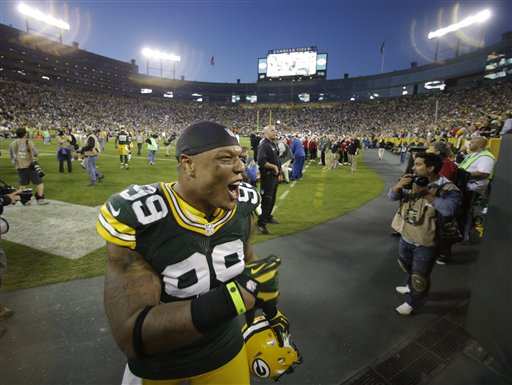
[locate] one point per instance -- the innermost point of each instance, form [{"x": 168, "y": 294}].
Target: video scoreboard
[{"x": 293, "y": 63}]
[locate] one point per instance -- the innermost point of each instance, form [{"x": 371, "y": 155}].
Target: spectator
[
  {"x": 353, "y": 149},
  {"x": 507, "y": 126},
  {"x": 251, "y": 168},
  {"x": 449, "y": 171},
  {"x": 299, "y": 156},
  {"x": 480, "y": 166},
  {"x": 382, "y": 148},
  {"x": 140, "y": 141},
  {"x": 285, "y": 159}
]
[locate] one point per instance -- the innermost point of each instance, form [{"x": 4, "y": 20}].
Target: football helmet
[{"x": 266, "y": 358}]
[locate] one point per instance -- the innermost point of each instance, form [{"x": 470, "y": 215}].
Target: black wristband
[
  {"x": 270, "y": 310},
  {"x": 138, "y": 345},
  {"x": 211, "y": 309}
]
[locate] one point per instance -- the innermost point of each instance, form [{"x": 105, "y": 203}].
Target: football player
[
  {"x": 180, "y": 267},
  {"x": 123, "y": 146}
]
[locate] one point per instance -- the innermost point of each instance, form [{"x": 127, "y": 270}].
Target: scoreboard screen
[{"x": 292, "y": 63}]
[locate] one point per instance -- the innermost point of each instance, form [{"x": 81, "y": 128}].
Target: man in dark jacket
[{"x": 268, "y": 161}]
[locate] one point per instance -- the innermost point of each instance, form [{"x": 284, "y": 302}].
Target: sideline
[
  {"x": 290, "y": 186},
  {"x": 58, "y": 228}
]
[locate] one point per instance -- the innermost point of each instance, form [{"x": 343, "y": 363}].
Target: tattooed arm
[{"x": 131, "y": 284}]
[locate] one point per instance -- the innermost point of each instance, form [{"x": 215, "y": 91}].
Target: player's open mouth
[{"x": 234, "y": 190}]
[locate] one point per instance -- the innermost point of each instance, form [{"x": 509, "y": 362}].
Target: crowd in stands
[{"x": 462, "y": 112}]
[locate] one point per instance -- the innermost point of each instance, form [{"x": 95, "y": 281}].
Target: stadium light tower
[
  {"x": 480, "y": 17},
  {"x": 162, "y": 56},
  {"x": 31, "y": 13}
]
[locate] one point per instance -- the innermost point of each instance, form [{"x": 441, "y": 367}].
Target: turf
[{"x": 320, "y": 196}]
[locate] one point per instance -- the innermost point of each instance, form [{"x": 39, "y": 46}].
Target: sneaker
[
  {"x": 403, "y": 289},
  {"x": 5, "y": 313},
  {"x": 91, "y": 184},
  {"x": 274, "y": 221},
  {"x": 122, "y": 165},
  {"x": 42, "y": 201},
  {"x": 263, "y": 229},
  {"x": 442, "y": 260},
  {"x": 405, "y": 309},
  {"x": 100, "y": 178}
]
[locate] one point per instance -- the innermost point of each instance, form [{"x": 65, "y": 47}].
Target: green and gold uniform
[
  {"x": 192, "y": 254},
  {"x": 123, "y": 145}
]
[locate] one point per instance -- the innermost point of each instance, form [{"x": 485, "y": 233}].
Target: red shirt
[{"x": 449, "y": 169}]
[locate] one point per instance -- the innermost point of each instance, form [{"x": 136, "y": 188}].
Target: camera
[
  {"x": 25, "y": 195},
  {"x": 35, "y": 166},
  {"x": 420, "y": 180}
]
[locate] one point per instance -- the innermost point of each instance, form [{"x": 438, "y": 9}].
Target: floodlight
[
  {"x": 162, "y": 56},
  {"x": 155, "y": 54},
  {"x": 38, "y": 15},
  {"x": 480, "y": 17}
]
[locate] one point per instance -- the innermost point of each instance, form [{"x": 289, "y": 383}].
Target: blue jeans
[
  {"x": 152, "y": 156},
  {"x": 91, "y": 168},
  {"x": 419, "y": 260}
]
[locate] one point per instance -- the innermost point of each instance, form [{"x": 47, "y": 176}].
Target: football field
[{"x": 58, "y": 242}]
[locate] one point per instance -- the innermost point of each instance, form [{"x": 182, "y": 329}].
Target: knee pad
[
  {"x": 403, "y": 266},
  {"x": 419, "y": 282}
]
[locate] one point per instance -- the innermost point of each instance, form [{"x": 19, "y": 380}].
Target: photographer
[
  {"x": 23, "y": 154},
  {"x": 167, "y": 144},
  {"x": 64, "y": 151},
  {"x": 5, "y": 200},
  {"x": 423, "y": 198},
  {"x": 91, "y": 151}
]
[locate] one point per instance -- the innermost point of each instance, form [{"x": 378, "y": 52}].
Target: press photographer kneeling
[{"x": 425, "y": 198}]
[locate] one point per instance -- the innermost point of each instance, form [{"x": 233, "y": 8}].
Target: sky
[{"x": 237, "y": 33}]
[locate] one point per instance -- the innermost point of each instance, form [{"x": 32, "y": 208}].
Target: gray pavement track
[{"x": 338, "y": 290}]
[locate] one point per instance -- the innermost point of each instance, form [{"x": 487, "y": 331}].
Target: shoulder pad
[
  {"x": 249, "y": 199},
  {"x": 129, "y": 210}
]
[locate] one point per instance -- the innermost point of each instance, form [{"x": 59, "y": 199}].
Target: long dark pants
[{"x": 268, "y": 191}]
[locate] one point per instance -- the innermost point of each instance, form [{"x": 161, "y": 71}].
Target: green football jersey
[
  {"x": 192, "y": 255},
  {"x": 123, "y": 138}
]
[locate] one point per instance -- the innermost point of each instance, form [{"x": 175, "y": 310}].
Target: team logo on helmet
[
  {"x": 260, "y": 368},
  {"x": 266, "y": 358}
]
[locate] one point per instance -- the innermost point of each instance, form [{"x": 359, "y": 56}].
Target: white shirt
[
  {"x": 484, "y": 164},
  {"x": 507, "y": 126}
]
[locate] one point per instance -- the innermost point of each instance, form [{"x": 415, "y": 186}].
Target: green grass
[{"x": 321, "y": 195}]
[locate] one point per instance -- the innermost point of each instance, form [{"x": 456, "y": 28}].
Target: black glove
[
  {"x": 261, "y": 279},
  {"x": 278, "y": 322}
]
